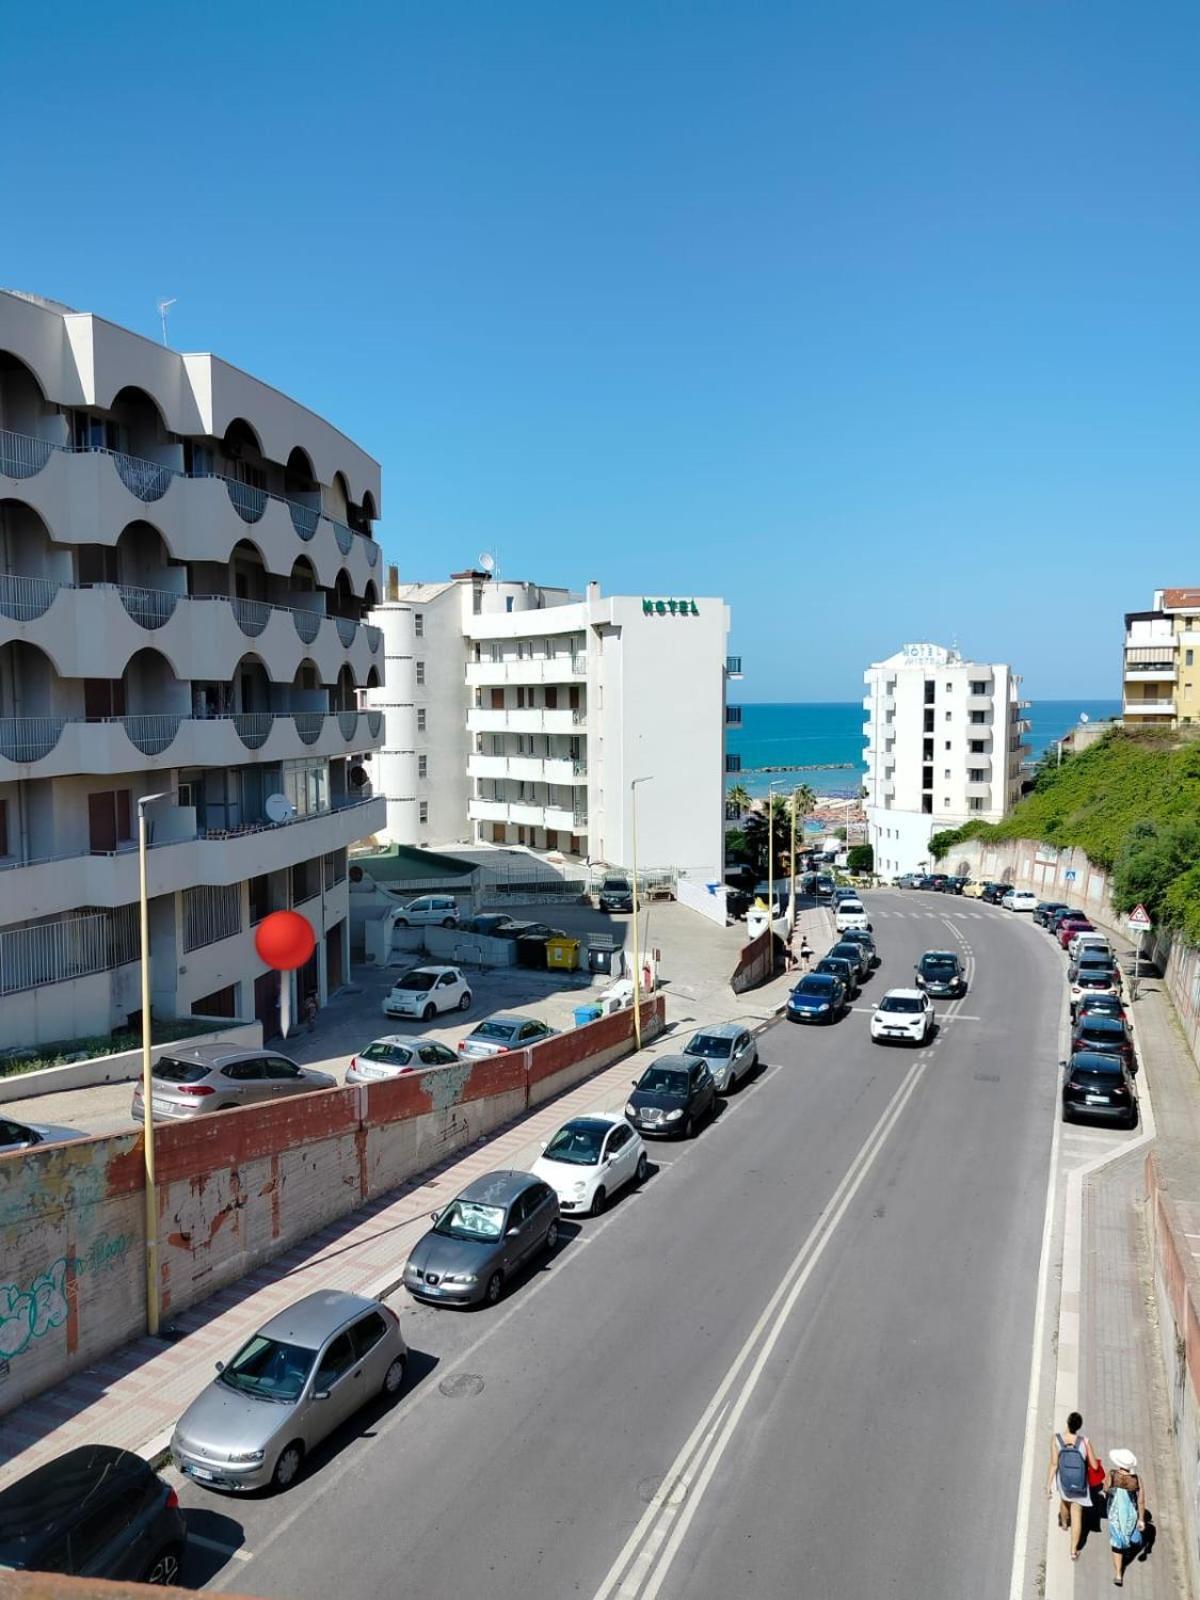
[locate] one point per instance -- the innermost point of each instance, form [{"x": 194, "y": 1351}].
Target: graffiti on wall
[{"x": 29, "y": 1314}]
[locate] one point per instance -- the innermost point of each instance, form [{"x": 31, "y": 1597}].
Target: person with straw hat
[{"x": 1126, "y": 1519}]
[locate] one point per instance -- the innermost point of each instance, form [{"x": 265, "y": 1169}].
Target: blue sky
[{"x": 880, "y": 320}]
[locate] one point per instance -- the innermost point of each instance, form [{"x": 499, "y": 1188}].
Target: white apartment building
[
  {"x": 186, "y": 563},
  {"x": 519, "y": 714},
  {"x": 944, "y": 747}
]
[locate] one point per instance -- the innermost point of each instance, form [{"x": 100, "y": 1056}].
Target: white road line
[
  {"x": 670, "y": 1511},
  {"x": 215, "y": 1544}
]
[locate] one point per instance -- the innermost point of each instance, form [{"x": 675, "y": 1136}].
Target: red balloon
[{"x": 285, "y": 940}]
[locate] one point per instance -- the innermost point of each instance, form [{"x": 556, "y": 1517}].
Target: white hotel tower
[
  {"x": 944, "y": 747},
  {"x": 185, "y": 564}
]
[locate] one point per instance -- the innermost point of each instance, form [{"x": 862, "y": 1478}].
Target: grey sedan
[
  {"x": 193, "y": 1080},
  {"x": 301, "y": 1374},
  {"x": 730, "y": 1050},
  {"x": 27, "y": 1135},
  {"x": 393, "y": 1056},
  {"x": 496, "y": 1225},
  {"x": 507, "y": 1031}
]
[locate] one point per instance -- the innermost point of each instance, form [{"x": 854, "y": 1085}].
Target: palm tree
[
  {"x": 805, "y": 801},
  {"x": 738, "y": 799}
]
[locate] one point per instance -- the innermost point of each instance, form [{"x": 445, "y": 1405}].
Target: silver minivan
[{"x": 288, "y": 1387}]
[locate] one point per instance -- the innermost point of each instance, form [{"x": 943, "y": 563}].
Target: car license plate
[
  {"x": 1096, "y": 1100},
  {"x": 160, "y": 1105},
  {"x": 197, "y": 1472}
]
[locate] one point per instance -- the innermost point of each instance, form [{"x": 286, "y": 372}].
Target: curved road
[{"x": 794, "y": 1363}]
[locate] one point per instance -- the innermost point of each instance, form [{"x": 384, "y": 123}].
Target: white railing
[
  {"x": 23, "y": 599},
  {"x": 149, "y": 608},
  {"x": 211, "y": 912},
  {"x": 151, "y": 733},
  {"x": 29, "y": 738},
  {"x": 22, "y": 456},
  {"x": 52, "y": 952}
]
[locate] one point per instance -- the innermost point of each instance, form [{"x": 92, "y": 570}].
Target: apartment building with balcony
[
  {"x": 1160, "y": 679},
  {"x": 517, "y": 714},
  {"x": 186, "y": 566},
  {"x": 945, "y": 742}
]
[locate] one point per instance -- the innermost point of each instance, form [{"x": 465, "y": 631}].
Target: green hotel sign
[{"x": 669, "y": 608}]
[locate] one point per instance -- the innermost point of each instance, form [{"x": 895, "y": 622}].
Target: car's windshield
[
  {"x": 939, "y": 964},
  {"x": 821, "y": 988},
  {"x": 269, "y": 1370},
  {"x": 711, "y": 1045},
  {"x": 494, "y": 1030},
  {"x": 664, "y": 1080},
  {"x": 577, "y": 1143},
  {"x": 169, "y": 1070},
  {"x": 465, "y": 1219},
  {"x": 832, "y": 965},
  {"x": 901, "y": 1002},
  {"x": 851, "y": 906},
  {"x": 417, "y": 979},
  {"x": 616, "y": 885},
  {"x": 396, "y": 1054}
]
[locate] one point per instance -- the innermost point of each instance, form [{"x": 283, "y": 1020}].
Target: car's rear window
[
  {"x": 494, "y": 1030},
  {"x": 1096, "y": 1069},
  {"x": 169, "y": 1070},
  {"x": 395, "y": 1054},
  {"x": 709, "y": 1044}
]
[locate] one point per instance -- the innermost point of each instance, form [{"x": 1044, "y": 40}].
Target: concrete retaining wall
[
  {"x": 235, "y": 1190},
  {"x": 123, "y": 1067},
  {"x": 754, "y": 964},
  {"x": 706, "y": 898}
]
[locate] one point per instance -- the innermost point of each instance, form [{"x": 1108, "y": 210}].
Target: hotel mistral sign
[{"x": 669, "y": 608}]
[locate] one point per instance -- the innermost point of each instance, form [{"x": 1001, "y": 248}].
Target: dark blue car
[{"x": 818, "y": 997}]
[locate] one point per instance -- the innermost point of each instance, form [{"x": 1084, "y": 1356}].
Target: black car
[
  {"x": 1045, "y": 909},
  {"x": 1098, "y": 1086},
  {"x": 1092, "y": 959},
  {"x": 737, "y": 903},
  {"x": 672, "y": 1097},
  {"x": 951, "y": 884},
  {"x": 993, "y": 893},
  {"x": 818, "y": 997},
  {"x": 1101, "y": 1005},
  {"x": 616, "y": 894},
  {"x": 95, "y": 1512},
  {"x": 840, "y": 967},
  {"x": 865, "y": 939},
  {"x": 940, "y": 974},
  {"x": 853, "y": 951},
  {"x": 491, "y": 923},
  {"x": 1106, "y": 1036}
]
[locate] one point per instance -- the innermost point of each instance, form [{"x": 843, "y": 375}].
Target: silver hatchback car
[
  {"x": 289, "y": 1386},
  {"x": 731, "y": 1051},
  {"x": 507, "y": 1030},
  {"x": 195, "y": 1079}
]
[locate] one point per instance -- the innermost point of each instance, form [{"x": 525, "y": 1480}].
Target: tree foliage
[{"x": 860, "y": 858}]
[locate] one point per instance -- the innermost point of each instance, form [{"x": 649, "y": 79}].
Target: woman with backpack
[
  {"x": 1126, "y": 1519},
  {"x": 1071, "y": 1457}
]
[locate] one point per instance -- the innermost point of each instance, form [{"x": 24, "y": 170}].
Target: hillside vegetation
[{"x": 1132, "y": 802}]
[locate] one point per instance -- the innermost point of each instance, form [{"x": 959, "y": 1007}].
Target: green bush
[
  {"x": 860, "y": 858},
  {"x": 62, "y": 1050}
]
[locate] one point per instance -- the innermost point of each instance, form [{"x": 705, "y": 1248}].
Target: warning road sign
[{"x": 1139, "y": 919}]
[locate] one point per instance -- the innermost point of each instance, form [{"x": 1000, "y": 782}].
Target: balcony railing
[
  {"x": 733, "y": 716},
  {"x": 30, "y": 739},
  {"x": 23, "y": 599},
  {"x": 733, "y": 666},
  {"x": 24, "y": 456},
  {"x": 150, "y": 608}
]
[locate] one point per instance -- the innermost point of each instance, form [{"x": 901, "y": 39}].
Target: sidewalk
[{"x": 134, "y": 1396}]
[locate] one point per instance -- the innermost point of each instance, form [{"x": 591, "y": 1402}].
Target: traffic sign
[
  {"x": 1069, "y": 875},
  {"x": 1139, "y": 919}
]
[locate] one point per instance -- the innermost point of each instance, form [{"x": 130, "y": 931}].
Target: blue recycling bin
[{"x": 586, "y": 1014}]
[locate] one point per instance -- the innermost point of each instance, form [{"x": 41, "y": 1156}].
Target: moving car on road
[
  {"x": 192, "y": 1080},
  {"x": 843, "y": 968},
  {"x": 589, "y": 1159},
  {"x": 672, "y": 1096},
  {"x": 730, "y": 1050},
  {"x": 428, "y": 910},
  {"x": 508, "y": 1030},
  {"x": 1098, "y": 1086},
  {"x": 818, "y": 997},
  {"x": 940, "y": 973},
  {"x": 1019, "y": 900},
  {"x": 95, "y": 1512},
  {"x": 1106, "y": 1036},
  {"x": 425, "y": 991},
  {"x": 616, "y": 894},
  {"x": 393, "y": 1056},
  {"x": 496, "y": 1225},
  {"x": 903, "y": 1016},
  {"x": 289, "y": 1386}
]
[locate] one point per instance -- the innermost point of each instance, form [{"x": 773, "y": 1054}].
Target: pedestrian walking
[
  {"x": 310, "y": 1011},
  {"x": 805, "y": 952},
  {"x": 1126, "y": 1519},
  {"x": 1071, "y": 1457}
]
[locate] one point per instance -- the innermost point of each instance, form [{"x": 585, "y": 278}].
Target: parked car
[
  {"x": 1098, "y": 1086},
  {"x": 489, "y": 923},
  {"x": 952, "y": 884},
  {"x": 616, "y": 894},
  {"x": 994, "y": 893},
  {"x": 393, "y": 1056},
  {"x": 852, "y": 951},
  {"x": 1055, "y": 918},
  {"x": 851, "y": 914},
  {"x": 1091, "y": 981},
  {"x": 1102, "y": 1005},
  {"x": 973, "y": 890},
  {"x": 589, "y": 1159},
  {"x": 1019, "y": 900},
  {"x": 818, "y": 997},
  {"x": 1046, "y": 908},
  {"x": 925, "y": 880},
  {"x": 903, "y": 1016},
  {"x": 730, "y": 1050},
  {"x": 939, "y": 973},
  {"x": 1106, "y": 1036},
  {"x": 909, "y": 880},
  {"x": 737, "y": 903},
  {"x": 1082, "y": 941},
  {"x": 507, "y": 1030},
  {"x": 672, "y": 1096},
  {"x": 288, "y": 1387},
  {"x": 425, "y": 991},
  {"x": 844, "y": 892},
  {"x": 192, "y": 1080},
  {"x": 840, "y": 967},
  {"x": 937, "y": 882},
  {"x": 94, "y": 1512},
  {"x": 861, "y": 937},
  {"x": 429, "y": 910},
  {"x": 1069, "y": 926},
  {"x": 482, "y": 1238},
  {"x": 26, "y": 1135},
  {"x": 1092, "y": 960}
]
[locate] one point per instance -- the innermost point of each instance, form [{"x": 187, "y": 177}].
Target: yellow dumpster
[{"x": 562, "y": 954}]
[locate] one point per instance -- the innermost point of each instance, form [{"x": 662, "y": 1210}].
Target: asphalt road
[{"x": 795, "y": 1363}]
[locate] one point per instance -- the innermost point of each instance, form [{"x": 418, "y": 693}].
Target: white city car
[
  {"x": 425, "y": 991},
  {"x": 1019, "y": 900},
  {"x": 851, "y": 914},
  {"x": 589, "y": 1159},
  {"x": 429, "y": 909},
  {"x": 903, "y": 1016}
]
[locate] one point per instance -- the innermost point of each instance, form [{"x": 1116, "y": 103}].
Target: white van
[{"x": 851, "y": 914}]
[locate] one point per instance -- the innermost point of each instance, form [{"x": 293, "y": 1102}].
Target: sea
[{"x": 829, "y": 734}]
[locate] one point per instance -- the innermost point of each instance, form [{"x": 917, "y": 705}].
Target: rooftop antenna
[{"x": 163, "y": 307}]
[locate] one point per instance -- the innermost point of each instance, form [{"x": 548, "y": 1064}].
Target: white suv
[
  {"x": 851, "y": 914},
  {"x": 430, "y": 908},
  {"x": 904, "y": 1016}
]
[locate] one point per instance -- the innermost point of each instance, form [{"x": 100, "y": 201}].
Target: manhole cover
[
  {"x": 987, "y": 1077},
  {"x": 461, "y": 1384}
]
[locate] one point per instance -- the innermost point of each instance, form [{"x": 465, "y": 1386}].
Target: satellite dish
[
  {"x": 487, "y": 561},
  {"x": 359, "y": 776},
  {"x": 279, "y": 808},
  {"x": 1083, "y": 716}
]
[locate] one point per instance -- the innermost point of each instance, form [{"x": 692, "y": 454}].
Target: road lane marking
[
  {"x": 669, "y": 1513},
  {"x": 228, "y": 1550}
]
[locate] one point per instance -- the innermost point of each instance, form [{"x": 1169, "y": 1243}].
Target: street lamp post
[
  {"x": 151, "y": 1209},
  {"x": 637, "y": 959},
  {"x": 771, "y": 788}
]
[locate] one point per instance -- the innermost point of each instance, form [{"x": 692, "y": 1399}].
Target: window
[
  {"x": 976, "y": 775},
  {"x": 420, "y": 672},
  {"x": 367, "y": 1333},
  {"x": 97, "y": 563},
  {"x": 422, "y": 766},
  {"x": 103, "y": 697},
  {"x": 109, "y": 820},
  {"x": 335, "y": 1363},
  {"x": 976, "y": 747},
  {"x": 946, "y": 772},
  {"x": 930, "y": 691},
  {"x": 1187, "y": 624},
  {"x": 928, "y": 721},
  {"x": 508, "y": 602},
  {"x": 950, "y": 687},
  {"x": 3, "y": 827},
  {"x": 419, "y": 624},
  {"x": 978, "y": 717},
  {"x": 423, "y": 811},
  {"x": 975, "y": 804},
  {"x": 979, "y": 686},
  {"x": 477, "y": 601},
  {"x": 306, "y": 880},
  {"x": 420, "y": 719},
  {"x": 947, "y": 744},
  {"x": 1187, "y": 657},
  {"x": 947, "y": 716},
  {"x": 280, "y": 1068},
  {"x": 946, "y": 800}
]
